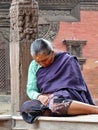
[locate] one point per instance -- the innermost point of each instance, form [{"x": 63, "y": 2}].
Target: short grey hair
[{"x": 41, "y": 45}]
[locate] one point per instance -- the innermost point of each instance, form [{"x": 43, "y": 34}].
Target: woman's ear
[{"x": 52, "y": 52}]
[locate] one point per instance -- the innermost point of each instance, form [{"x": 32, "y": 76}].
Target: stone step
[
  {"x": 19, "y": 129},
  {"x": 5, "y": 122},
  {"x": 84, "y": 122}
]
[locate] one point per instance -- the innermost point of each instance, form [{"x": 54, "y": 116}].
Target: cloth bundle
[{"x": 31, "y": 110}]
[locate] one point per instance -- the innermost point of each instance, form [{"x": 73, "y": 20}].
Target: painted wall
[{"x": 86, "y": 29}]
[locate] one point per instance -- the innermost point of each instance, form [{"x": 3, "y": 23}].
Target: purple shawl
[{"x": 63, "y": 74}]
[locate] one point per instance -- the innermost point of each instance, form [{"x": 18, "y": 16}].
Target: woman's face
[{"x": 43, "y": 59}]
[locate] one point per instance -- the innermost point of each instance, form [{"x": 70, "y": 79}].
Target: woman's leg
[
  {"x": 79, "y": 108},
  {"x": 60, "y": 106}
]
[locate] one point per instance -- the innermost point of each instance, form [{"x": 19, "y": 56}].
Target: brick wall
[{"x": 86, "y": 29}]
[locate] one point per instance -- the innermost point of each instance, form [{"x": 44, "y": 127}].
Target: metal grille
[{"x": 4, "y": 71}]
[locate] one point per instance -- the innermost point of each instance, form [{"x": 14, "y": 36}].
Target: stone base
[{"x": 84, "y": 122}]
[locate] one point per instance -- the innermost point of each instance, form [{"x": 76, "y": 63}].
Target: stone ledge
[
  {"x": 81, "y": 118},
  {"x": 83, "y": 122},
  {"x": 5, "y": 117},
  {"x": 5, "y": 122}
]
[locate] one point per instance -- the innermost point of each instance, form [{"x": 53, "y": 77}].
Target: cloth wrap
[
  {"x": 31, "y": 110},
  {"x": 63, "y": 81},
  {"x": 64, "y": 77}
]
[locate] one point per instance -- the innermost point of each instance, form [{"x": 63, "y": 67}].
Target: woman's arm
[{"x": 32, "y": 89}]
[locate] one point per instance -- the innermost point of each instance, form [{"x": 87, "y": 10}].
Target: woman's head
[{"x": 42, "y": 51}]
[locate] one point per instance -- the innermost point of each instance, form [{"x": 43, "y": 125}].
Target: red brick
[{"x": 86, "y": 29}]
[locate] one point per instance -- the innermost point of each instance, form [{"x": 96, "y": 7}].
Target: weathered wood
[{"x": 23, "y": 30}]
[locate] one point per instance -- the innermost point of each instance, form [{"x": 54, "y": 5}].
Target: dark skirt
[{"x": 73, "y": 94}]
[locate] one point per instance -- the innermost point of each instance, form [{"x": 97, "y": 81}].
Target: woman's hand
[{"x": 43, "y": 98}]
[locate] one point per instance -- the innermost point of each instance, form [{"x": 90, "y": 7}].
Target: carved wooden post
[{"x": 23, "y": 30}]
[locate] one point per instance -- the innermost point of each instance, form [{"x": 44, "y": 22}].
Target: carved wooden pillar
[{"x": 23, "y": 30}]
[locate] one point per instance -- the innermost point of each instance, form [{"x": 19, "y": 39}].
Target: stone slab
[{"x": 84, "y": 122}]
